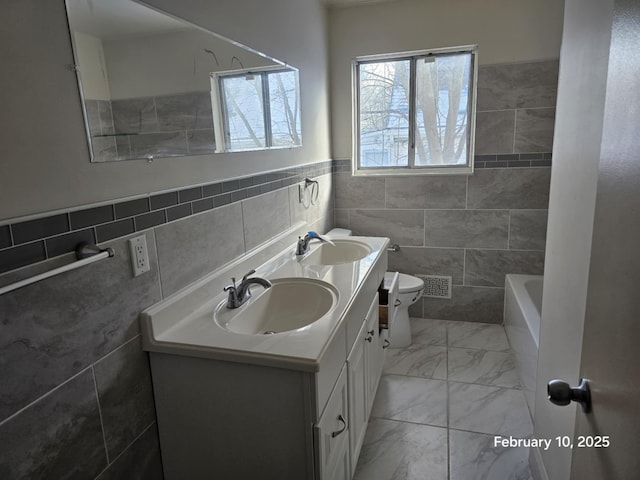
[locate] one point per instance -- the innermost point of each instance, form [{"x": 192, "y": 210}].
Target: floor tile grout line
[
  {"x": 409, "y": 422},
  {"x": 413, "y": 376},
  {"x": 483, "y": 433},
  {"x": 485, "y": 385},
  {"x": 446, "y": 339},
  {"x": 519, "y": 389},
  {"x": 449, "y": 384}
]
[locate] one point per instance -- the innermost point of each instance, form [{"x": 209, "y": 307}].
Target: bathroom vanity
[{"x": 238, "y": 395}]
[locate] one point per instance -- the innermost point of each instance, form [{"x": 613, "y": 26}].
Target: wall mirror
[{"x": 156, "y": 86}]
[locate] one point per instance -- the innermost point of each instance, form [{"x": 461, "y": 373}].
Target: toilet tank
[{"x": 339, "y": 232}]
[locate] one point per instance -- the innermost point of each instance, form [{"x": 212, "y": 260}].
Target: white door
[
  {"x": 591, "y": 312},
  {"x": 611, "y": 343}
]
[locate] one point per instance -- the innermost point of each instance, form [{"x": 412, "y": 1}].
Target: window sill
[{"x": 412, "y": 172}]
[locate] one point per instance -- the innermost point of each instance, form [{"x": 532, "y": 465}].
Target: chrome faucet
[
  {"x": 303, "y": 243},
  {"x": 239, "y": 294}
]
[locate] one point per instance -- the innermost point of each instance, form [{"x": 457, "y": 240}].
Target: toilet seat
[{"x": 409, "y": 283}]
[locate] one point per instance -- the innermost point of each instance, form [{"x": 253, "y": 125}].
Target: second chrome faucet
[{"x": 303, "y": 243}]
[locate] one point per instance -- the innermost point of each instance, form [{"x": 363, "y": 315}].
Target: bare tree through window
[
  {"x": 415, "y": 111},
  {"x": 261, "y": 109}
]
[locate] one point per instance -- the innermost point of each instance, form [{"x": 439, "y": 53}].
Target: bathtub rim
[{"x": 516, "y": 283}]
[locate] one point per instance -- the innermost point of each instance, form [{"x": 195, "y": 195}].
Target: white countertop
[{"x": 183, "y": 324}]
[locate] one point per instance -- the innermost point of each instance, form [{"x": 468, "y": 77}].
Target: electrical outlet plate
[{"x": 139, "y": 255}]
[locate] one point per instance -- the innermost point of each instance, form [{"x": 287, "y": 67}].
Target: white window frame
[
  {"x": 411, "y": 168},
  {"x": 220, "y": 119}
]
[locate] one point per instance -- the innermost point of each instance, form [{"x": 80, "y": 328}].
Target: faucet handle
[
  {"x": 230, "y": 287},
  {"x": 322, "y": 238},
  {"x": 247, "y": 275}
]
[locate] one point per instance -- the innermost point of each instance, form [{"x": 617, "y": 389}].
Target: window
[
  {"x": 414, "y": 112},
  {"x": 256, "y": 110}
]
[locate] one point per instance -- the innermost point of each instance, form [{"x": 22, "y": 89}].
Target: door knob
[{"x": 560, "y": 393}]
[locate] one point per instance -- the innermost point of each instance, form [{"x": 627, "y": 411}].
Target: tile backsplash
[{"x": 27, "y": 242}]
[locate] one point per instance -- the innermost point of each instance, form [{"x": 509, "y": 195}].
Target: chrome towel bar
[{"x": 85, "y": 254}]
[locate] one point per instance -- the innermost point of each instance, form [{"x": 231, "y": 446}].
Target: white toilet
[{"x": 410, "y": 289}]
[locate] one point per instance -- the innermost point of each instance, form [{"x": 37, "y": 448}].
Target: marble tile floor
[{"x": 440, "y": 403}]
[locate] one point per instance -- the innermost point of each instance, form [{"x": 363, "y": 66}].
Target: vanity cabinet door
[
  {"x": 332, "y": 434},
  {"x": 358, "y": 401},
  {"x": 373, "y": 352},
  {"x": 364, "y": 366},
  {"x": 342, "y": 469}
]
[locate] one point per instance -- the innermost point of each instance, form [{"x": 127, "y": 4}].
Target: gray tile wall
[
  {"x": 175, "y": 125},
  {"x": 76, "y": 398},
  {"x": 26, "y": 242},
  {"x": 76, "y": 390},
  {"x": 516, "y": 107},
  {"x": 473, "y": 228}
]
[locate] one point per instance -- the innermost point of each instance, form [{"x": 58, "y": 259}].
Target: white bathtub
[{"x": 522, "y": 307}]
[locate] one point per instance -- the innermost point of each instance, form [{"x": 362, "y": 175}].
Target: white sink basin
[
  {"x": 344, "y": 251},
  {"x": 289, "y": 304}
]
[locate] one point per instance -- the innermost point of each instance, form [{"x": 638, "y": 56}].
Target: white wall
[
  {"x": 93, "y": 74},
  {"x": 574, "y": 176},
  {"x": 43, "y": 149},
  {"x": 505, "y": 30},
  {"x": 171, "y": 63}
]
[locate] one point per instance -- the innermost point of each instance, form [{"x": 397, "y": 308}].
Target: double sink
[
  {"x": 292, "y": 302},
  {"x": 288, "y": 325}
]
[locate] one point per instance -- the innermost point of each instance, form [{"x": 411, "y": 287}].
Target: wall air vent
[{"x": 436, "y": 286}]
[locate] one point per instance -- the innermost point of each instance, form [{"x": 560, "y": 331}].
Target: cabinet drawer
[
  {"x": 332, "y": 431},
  {"x": 389, "y": 299}
]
